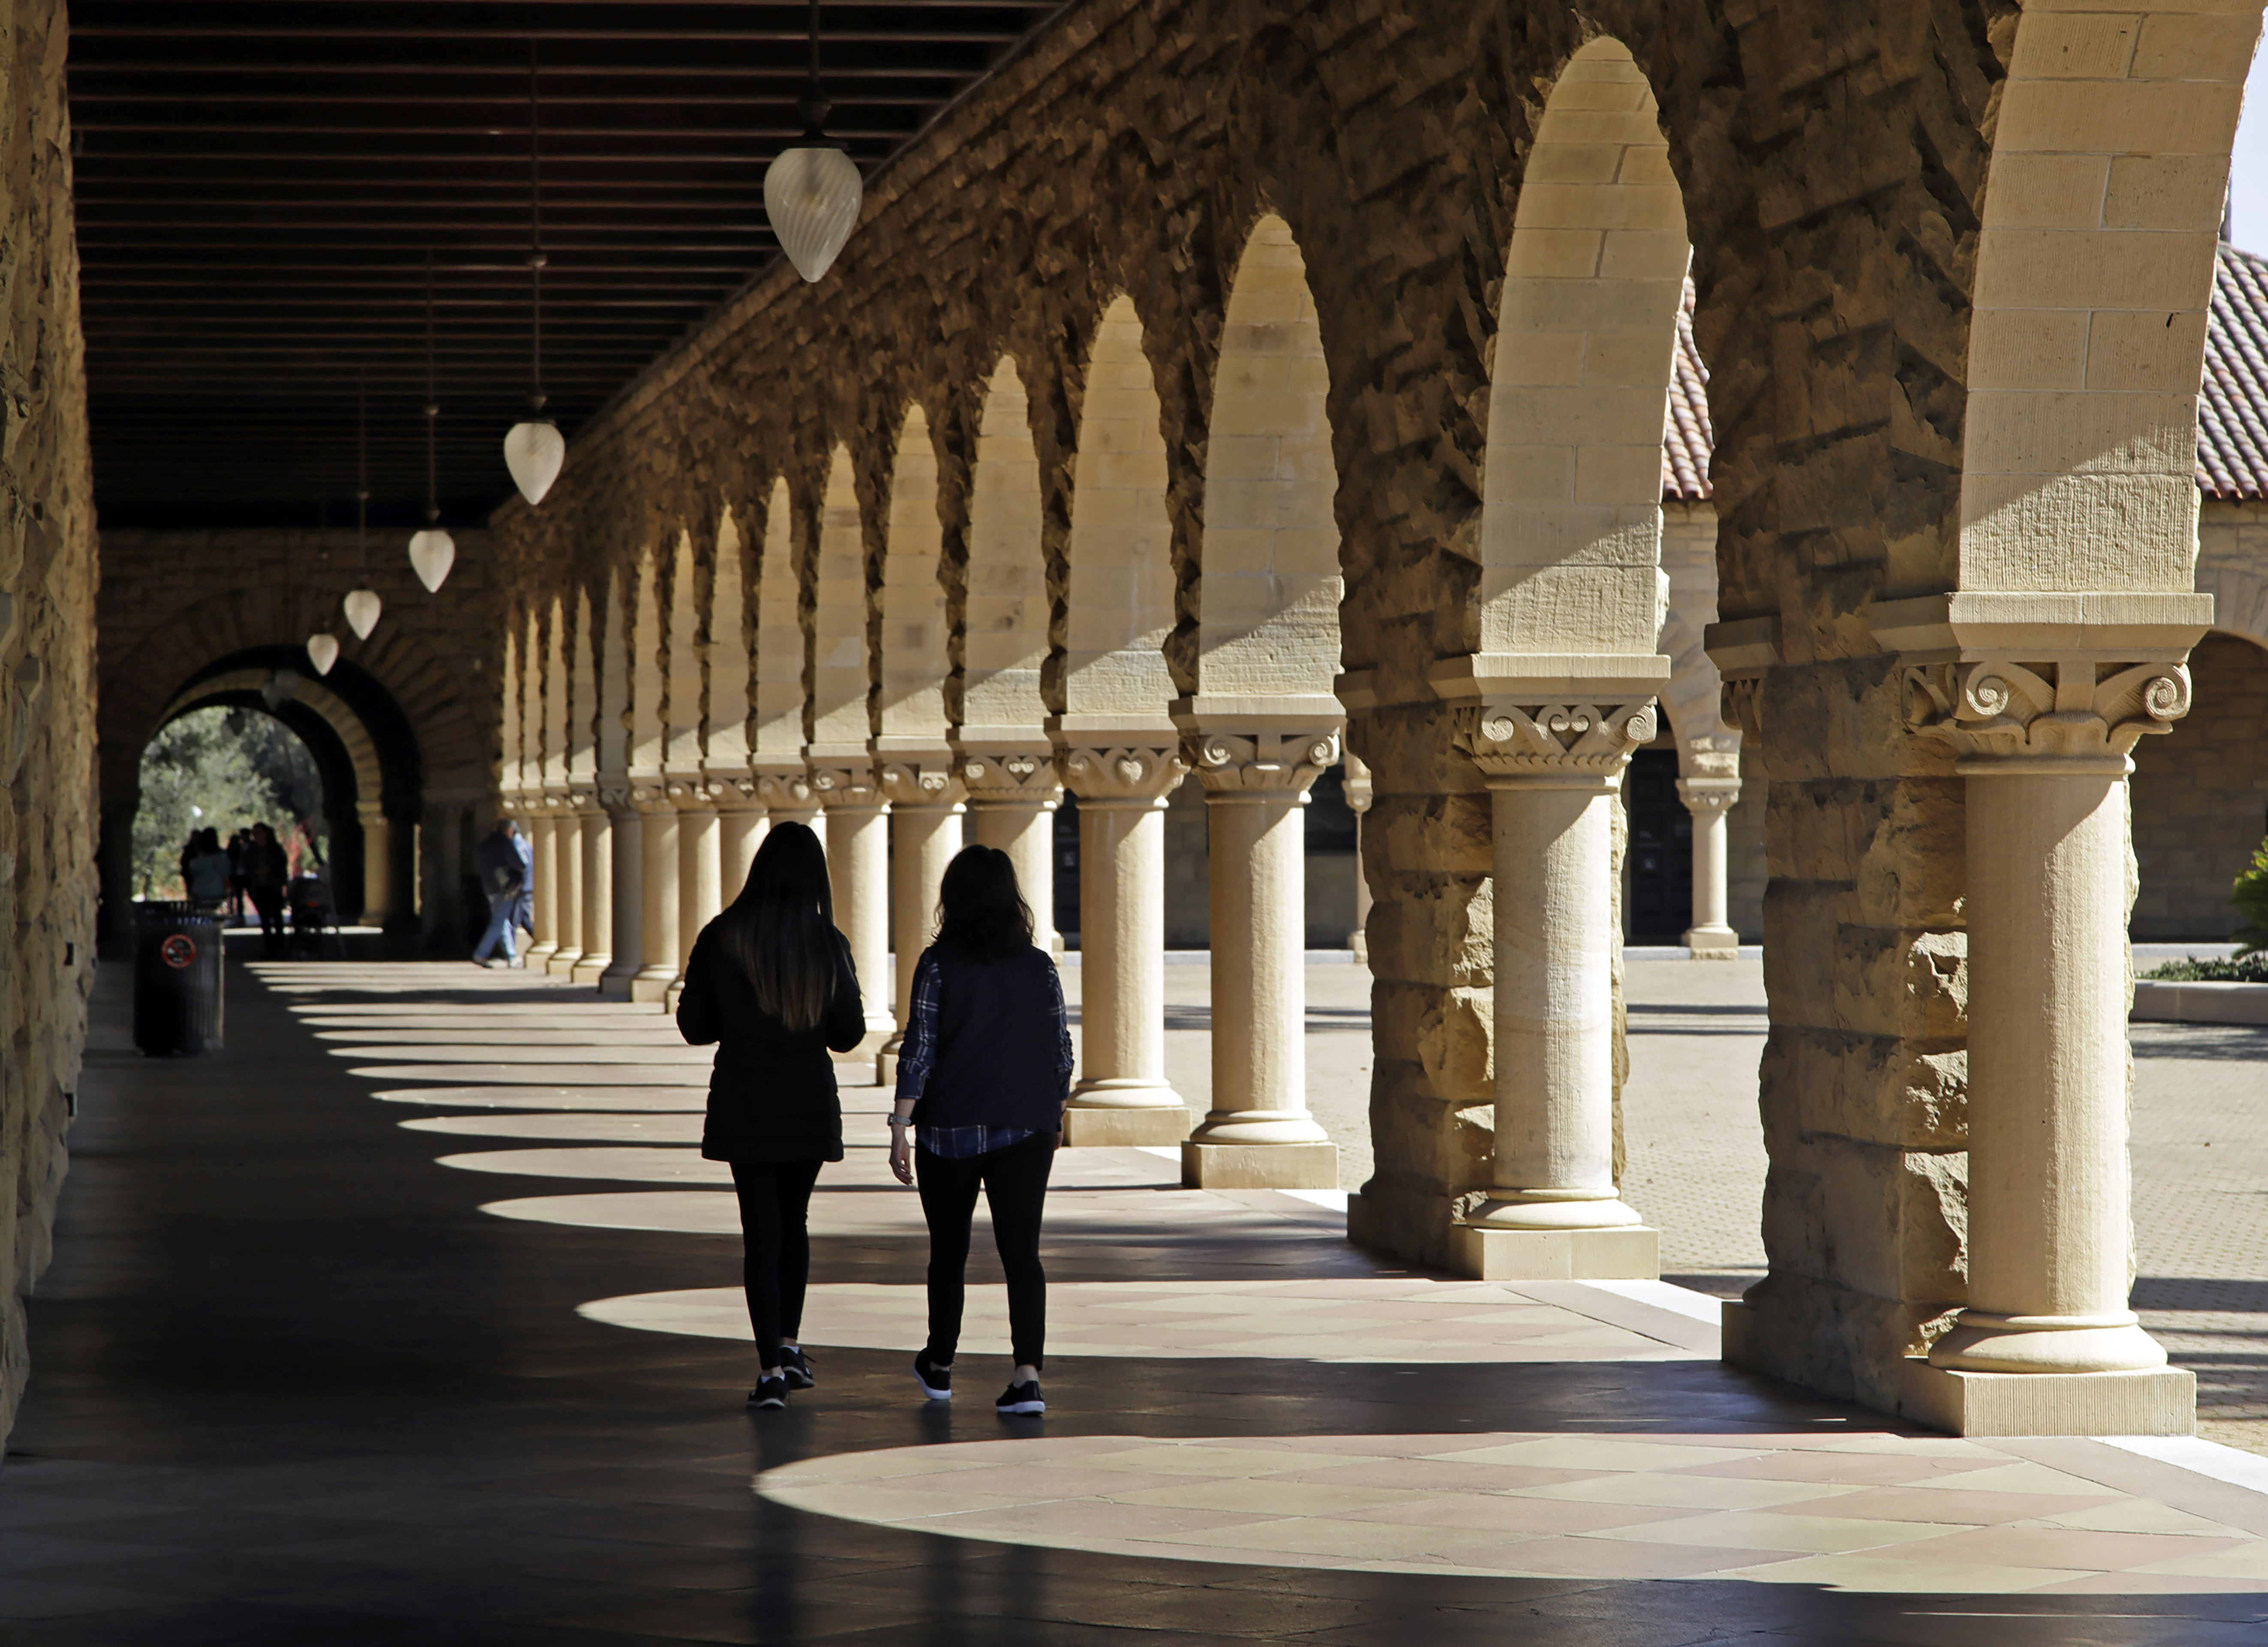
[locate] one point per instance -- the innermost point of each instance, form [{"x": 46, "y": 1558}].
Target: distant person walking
[
  {"x": 982, "y": 1077},
  {"x": 205, "y": 872},
  {"x": 770, "y": 984},
  {"x": 504, "y": 877},
  {"x": 523, "y": 907},
  {"x": 265, "y": 873},
  {"x": 239, "y": 844}
]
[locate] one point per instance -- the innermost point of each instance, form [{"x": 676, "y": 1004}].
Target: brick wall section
[
  {"x": 1832, "y": 160},
  {"x": 47, "y": 577},
  {"x": 2200, "y": 796}
]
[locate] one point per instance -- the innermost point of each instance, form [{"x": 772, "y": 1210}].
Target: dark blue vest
[{"x": 998, "y": 1053}]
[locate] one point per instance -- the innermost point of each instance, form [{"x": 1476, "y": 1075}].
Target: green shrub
[
  {"x": 2249, "y": 894},
  {"x": 2245, "y": 969}
]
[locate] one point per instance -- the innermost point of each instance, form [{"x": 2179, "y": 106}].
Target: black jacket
[{"x": 772, "y": 1094}]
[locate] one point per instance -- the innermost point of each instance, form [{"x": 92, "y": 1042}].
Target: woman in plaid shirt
[{"x": 982, "y": 1077}]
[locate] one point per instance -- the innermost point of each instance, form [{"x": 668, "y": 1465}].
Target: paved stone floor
[{"x": 409, "y": 1319}]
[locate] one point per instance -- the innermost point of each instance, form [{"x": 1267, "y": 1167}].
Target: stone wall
[
  {"x": 2200, "y": 796},
  {"x": 47, "y": 579}
]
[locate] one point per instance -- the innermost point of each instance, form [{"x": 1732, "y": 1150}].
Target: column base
[
  {"x": 1105, "y": 1127},
  {"x": 593, "y": 969},
  {"x": 650, "y": 985},
  {"x": 669, "y": 996},
  {"x": 1632, "y": 1252},
  {"x": 538, "y": 956},
  {"x": 1713, "y": 944},
  {"x": 2156, "y": 1401},
  {"x": 561, "y": 965},
  {"x": 1259, "y": 1166}
]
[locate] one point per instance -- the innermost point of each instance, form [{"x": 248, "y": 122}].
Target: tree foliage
[
  {"x": 2249, "y": 894},
  {"x": 218, "y": 768}
]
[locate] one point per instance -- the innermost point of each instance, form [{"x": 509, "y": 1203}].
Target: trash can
[{"x": 177, "y": 973}]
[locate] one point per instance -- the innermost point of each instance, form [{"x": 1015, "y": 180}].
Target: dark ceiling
[{"x": 260, "y": 183}]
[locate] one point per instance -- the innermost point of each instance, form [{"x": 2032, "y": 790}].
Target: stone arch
[
  {"x": 1268, "y": 582},
  {"x": 779, "y": 664},
  {"x": 730, "y": 652},
  {"x": 648, "y": 733},
  {"x": 1004, "y": 617},
  {"x": 914, "y": 661},
  {"x": 836, "y": 716},
  {"x": 2094, "y": 266},
  {"x": 1587, "y": 333},
  {"x": 242, "y": 685},
  {"x": 1119, "y": 573}
]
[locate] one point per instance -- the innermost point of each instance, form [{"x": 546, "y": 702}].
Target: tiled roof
[
  {"x": 1686, "y": 436},
  {"x": 2232, "y": 459}
]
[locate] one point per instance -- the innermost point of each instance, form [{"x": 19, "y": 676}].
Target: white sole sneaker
[{"x": 928, "y": 1391}]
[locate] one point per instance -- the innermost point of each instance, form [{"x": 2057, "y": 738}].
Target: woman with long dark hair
[
  {"x": 982, "y": 1077},
  {"x": 771, "y": 983}
]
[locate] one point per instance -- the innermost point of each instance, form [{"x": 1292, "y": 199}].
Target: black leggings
[
  {"x": 1015, "y": 1182},
  {"x": 776, "y": 1247}
]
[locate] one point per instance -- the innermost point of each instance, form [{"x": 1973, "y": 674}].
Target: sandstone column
[
  {"x": 626, "y": 833},
  {"x": 567, "y": 918},
  {"x": 1553, "y": 771},
  {"x": 1358, "y": 797},
  {"x": 1708, "y": 799},
  {"x": 658, "y": 913},
  {"x": 740, "y": 826},
  {"x": 925, "y": 815},
  {"x": 858, "y": 868},
  {"x": 596, "y": 839},
  {"x": 377, "y": 884},
  {"x": 1259, "y": 1135},
  {"x": 535, "y": 818},
  {"x": 1121, "y": 1097},
  {"x": 2048, "y": 1344},
  {"x": 700, "y": 877},
  {"x": 1013, "y": 797}
]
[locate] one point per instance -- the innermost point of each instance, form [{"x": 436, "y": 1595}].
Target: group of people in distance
[
  {"x": 983, "y": 1073},
  {"x": 253, "y": 866}
]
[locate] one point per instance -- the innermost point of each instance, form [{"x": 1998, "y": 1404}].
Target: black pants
[
  {"x": 269, "y": 900},
  {"x": 776, "y": 1247},
  {"x": 1015, "y": 1183}
]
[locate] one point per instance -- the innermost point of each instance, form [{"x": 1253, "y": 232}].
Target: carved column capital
[
  {"x": 1554, "y": 743},
  {"x": 617, "y": 797},
  {"x": 847, "y": 786},
  {"x": 921, "y": 781},
  {"x": 1357, "y": 784},
  {"x": 1124, "y": 775},
  {"x": 650, "y": 797},
  {"x": 734, "y": 792},
  {"x": 2074, "y": 712},
  {"x": 785, "y": 792},
  {"x": 1010, "y": 777},
  {"x": 1260, "y": 763},
  {"x": 1709, "y": 795}
]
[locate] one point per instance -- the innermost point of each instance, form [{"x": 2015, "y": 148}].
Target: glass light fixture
[
  {"x": 535, "y": 450},
  {"x": 322, "y": 652},
  {"x": 431, "y": 552},
  {"x": 811, "y": 191},
  {"x": 362, "y": 604}
]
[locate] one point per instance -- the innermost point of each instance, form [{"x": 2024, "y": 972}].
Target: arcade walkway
[{"x": 409, "y": 1318}]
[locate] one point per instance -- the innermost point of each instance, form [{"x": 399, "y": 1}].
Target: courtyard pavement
[{"x": 411, "y": 1317}]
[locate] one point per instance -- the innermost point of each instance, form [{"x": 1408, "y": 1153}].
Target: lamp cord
[
  {"x": 535, "y": 257},
  {"x": 362, "y": 470},
  {"x": 432, "y": 400}
]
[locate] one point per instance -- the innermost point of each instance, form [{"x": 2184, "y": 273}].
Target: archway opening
[{"x": 225, "y": 767}]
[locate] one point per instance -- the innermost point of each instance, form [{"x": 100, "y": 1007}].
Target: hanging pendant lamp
[
  {"x": 362, "y": 603},
  {"x": 431, "y": 552},
  {"x": 535, "y": 450},
  {"x": 811, "y": 191},
  {"x": 322, "y": 652}
]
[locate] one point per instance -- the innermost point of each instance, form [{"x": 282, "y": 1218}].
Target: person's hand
[{"x": 901, "y": 1156}]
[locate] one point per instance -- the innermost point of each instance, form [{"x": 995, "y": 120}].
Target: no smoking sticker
[{"x": 178, "y": 950}]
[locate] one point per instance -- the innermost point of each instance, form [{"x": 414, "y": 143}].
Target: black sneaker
[
  {"x": 770, "y": 1392},
  {"x": 936, "y": 1382},
  {"x": 796, "y": 1367},
  {"x": 1018, "y": 1400}
]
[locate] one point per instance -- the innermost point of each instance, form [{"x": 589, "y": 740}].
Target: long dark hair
[
  {"x": 780, "y": 931},
  {"x": 981, "y": 911}
]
